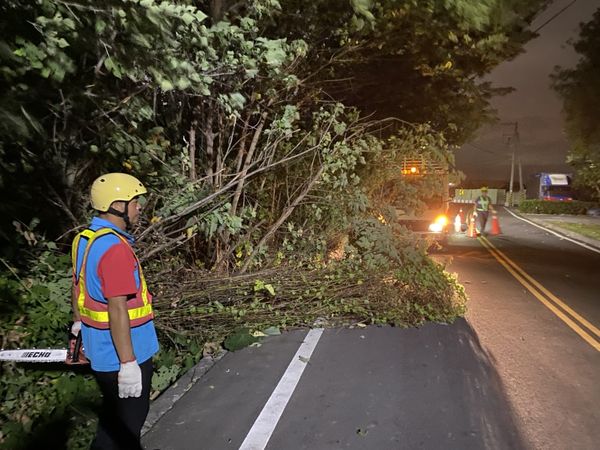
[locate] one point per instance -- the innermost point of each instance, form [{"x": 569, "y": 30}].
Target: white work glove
[
  {"x": 76, "y": 328},
  {"x": 130, "y": 380}
]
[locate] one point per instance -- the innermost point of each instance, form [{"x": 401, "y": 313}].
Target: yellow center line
[
  {"x": 520, "y": 275},
  {"x": 549, "y": 294}
]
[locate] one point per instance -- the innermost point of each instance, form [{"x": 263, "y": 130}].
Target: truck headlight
[{"x": 439, "y": 224}]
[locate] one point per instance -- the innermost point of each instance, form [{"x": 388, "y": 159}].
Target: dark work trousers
[
  {"x": 482, "y": 217},
  {"x": 121, "y": 419}
]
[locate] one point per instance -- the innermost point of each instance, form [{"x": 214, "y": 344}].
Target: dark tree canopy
[
  {"x": 254, "y": 102},
  {"x": 418, "y": 61},
  {"x": 579, "y": 89}
]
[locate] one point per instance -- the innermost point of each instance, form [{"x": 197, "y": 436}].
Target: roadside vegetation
[
  {"x": 586, "y": 229},
  {"x": 579, "y": 89},
  {"x": 549, "y": 207},
  {"x": 270, "y": 135}
]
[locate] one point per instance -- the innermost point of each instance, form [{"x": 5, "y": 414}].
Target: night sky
[{"x": 533, "y": 104}]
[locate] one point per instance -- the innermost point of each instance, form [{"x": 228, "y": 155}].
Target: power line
[
  {"x": 554, "y": 16},
  {"x": 482, "y": 149}
]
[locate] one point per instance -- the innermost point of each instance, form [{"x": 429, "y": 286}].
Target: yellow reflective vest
[{"x": 94, "y": 313}]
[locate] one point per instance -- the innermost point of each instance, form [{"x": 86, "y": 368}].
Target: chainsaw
[{"x": 74, "y": 355}]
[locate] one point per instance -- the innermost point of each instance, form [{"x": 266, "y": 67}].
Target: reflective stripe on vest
[
  {"x": 88, "y": 234},
  {"x": 93, "y": 312}
]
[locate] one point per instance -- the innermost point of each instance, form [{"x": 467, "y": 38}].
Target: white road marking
[
  {"x": 267, "y": 420},
  {"x": 562, "y": 236}
]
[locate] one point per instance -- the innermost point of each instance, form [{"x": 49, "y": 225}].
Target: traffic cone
[
  {"x": 495, "y": 226},
  {"x": 457, "y": 224},
  {"x": 471, "y": 230}
]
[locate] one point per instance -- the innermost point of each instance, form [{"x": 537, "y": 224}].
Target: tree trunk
[
  {"x": 248, "y": 161},
  {"x": 286, "y": 213},
  {"x": 192, "y": 150},
  {"x": 219, "y": 155},
  {"x": 217, "y": 10},
  {"x": 209, "y": 140}
]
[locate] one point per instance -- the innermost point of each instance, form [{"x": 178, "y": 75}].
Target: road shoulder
[{"x": 552, "y": 222}]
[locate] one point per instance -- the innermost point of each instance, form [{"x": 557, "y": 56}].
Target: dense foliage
[
  {"x": 262, "y": 131},
  {"x": 417, "y": 60},
  {"x": 580, "y": 91},
  {"x": 549, "y": 207},
  {"x": 228, "y": 99}
]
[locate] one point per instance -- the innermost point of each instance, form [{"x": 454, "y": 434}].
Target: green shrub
[
  {"x": 550, "y": 207},
  {"x": 39, "y": 399},
  {"x": 383, "y": 277}
]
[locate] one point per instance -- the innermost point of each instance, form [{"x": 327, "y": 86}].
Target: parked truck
[
  {"x": 428, "y": 216},
  {"x": 550, "y": 186}
]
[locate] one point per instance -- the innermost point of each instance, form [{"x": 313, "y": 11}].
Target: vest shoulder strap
[
  {"x": 91, "y": 236},
  {"x": 88, "y": 234}
]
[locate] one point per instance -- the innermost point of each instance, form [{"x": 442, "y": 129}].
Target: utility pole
[
  {"x": 521, "y": 188},
  {"x": 512, "y": 141},
  {"x": 509, "y": 198}
]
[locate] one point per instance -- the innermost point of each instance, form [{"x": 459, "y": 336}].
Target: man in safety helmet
[
  {"x": 112, "y": 309},
  {"x": 483, "y": 206}
]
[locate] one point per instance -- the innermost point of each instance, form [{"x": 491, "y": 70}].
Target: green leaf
[
  {"x": 183, "y": 83},
  {"x": 275, "y": 55},
  {"x": 69, "y": 23},
  {"x": 164, "y": 376},
  {"x": 269, "y": 288},
  {"x": 272, "y": 331},
  {"x": 112, "y": 66},
  {"x": 241, "y": 338},
  {"x": 166, "y": 85},
  {"x": 200, "y": 16},
  {"x": 237, "y": 100},
  {"x": 251, "y": 73},
  {"x": 188, "y": 18},
  {"x": 100, "y": 26},
  {"x": 362, "y": 7}
]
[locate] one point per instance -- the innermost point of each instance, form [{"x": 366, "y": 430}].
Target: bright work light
[{"x": 439, "y": 224}]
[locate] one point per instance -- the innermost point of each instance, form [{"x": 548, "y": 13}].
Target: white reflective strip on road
[
  {"x": 562, "y": 236},
  {"x": 265, "y": 424}
]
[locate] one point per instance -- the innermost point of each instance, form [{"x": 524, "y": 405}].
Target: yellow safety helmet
[
  {"x": 484, "y": 189},
  {"x": 113, "y": 187}
]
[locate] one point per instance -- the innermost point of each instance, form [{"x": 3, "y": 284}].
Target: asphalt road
[
  {"x": 513, "y": 375},
  {"x": 550, "y": 372}
]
